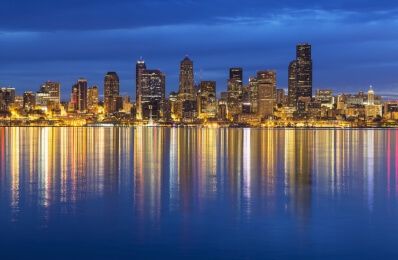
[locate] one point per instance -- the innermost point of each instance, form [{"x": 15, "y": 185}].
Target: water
[{"x": 188, "y": 193}]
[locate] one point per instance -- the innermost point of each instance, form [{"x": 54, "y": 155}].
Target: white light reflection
[{"x": 246, "y": 168}]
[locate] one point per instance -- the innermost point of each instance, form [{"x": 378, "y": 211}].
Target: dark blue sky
[{"x": 354, "y": 43}]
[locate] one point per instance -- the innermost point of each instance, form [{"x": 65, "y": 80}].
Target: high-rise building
[
  {"x": 111, "y": 92},
  {"x": 292, "y": 93},
  {"x": 371, "y": 96},
  {"x": 92, "y": 99},
  {"x": 186, "y": 90},
  {"x": 7, "y": 98},
  {"x": 266, "y": 81},
  {"x": 54, "y": 91},
  {"x": 280, "y": 96},
  {"x": 153, "y": 93},
  {"x": 253, "y": 88},
  {"x": 139, "y": 68},
  {"x": 234, "y": 105},
  {"x": 303, "y": 71},
  {"x": 207, "y": 102},
  {"x": 28, "y": 100},
  {"x": 236, "y": 74},
  {"x": 79, "y": 95}
]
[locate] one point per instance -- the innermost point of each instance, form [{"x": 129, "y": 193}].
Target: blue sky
[{"x": 354, "y": 43}]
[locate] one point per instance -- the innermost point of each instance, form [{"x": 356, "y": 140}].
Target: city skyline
[{"x": 346, "y": 39}]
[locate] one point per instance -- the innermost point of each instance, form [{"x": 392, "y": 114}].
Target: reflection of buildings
[{"x": 298, "y": 169}]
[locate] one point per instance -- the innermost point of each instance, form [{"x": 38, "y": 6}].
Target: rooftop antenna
[{"x": 201, "y": 76}]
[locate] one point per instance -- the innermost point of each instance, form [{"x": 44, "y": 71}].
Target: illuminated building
[
  {"x": 280, "y": 96},
  {"x": 139, "y": 68},
  {"x": 253, "y": 88},
  {"x": 153, "y": 83},
  {"x": 292, "y": 95},
  {"x": 28, "y": 100},
  {"x": 303, "y": 70},
  {"x": 186, "y": 94},
  {"x": 207, "y": 102},
  {"x": 92, "y": 99},
  {"x": 7, "y": 98},
  {"x": 236, "y": 74},
  {"x": 112, "y": 101},
  {"x": 79, "y": 95},
  {"x": 325, "y": 97},
  {"x": 266, "y": 81},
  {"x": 54, "y": 91},
  {"x": 234, "y": 106},
  {"x": 371, "y": 96}
]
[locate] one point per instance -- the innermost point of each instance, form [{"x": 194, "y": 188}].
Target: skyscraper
[
  {"x": 186, "y": 90},
  {"x": 28, "y": 100},
  {"x": 186, "y": 105},
  {"x": 111, "y": 93},
  {"x": 139, "y": 68},
  {"x": 92, "y": 99},
  {"x": 153, "y": 83},
  {"x": 266, "y": 80},
  {"x": 303, "y": 71},
  {"x": 292, "y": 93},
  {"x": 207, "y": 102},
  {"x": 79, "y": 95},
  {"x": 236, "y": 74}
]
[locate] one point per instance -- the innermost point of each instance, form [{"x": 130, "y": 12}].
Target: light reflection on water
[{"x": 185, "y": 192}]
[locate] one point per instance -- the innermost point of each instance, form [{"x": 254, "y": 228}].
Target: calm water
[{"x": 158, "y": 193}]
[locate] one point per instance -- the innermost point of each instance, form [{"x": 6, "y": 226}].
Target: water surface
[{"x": 195, "y": 193}]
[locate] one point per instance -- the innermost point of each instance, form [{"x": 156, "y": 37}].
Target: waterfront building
[
  {"x": 186, "y": 91},
  {"x": 139, "y": 68},
  {"x": 303, "y": 70},
  {"x": 292, "y": 92},
  {"x": 28, "y": 100},
  {"x": 371, "y": 96},
  {"x": 7, "y": 98},
  {"x": 234, "y": 105},
  {"x": 79, "y": 95},
  {"x": 112, "y": 100},
  {"x": 266, "y": 80},
  {"x": 253, "y": 88},
  {"x": 236, "y": 74},
  {"x": 153, "y": 84},
  {"x": 92, "y": 99},
  {"x": 280, "y": 96},
  {"x": 206, "y": 99}
]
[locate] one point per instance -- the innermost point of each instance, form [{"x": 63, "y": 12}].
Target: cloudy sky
[{"x": 354, "y": 42}]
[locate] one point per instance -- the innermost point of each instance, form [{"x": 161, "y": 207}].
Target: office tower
[
  {"x": 236, "y": 74},
  {"x": 92, "y": 99},
  {"x": 111, "y": 92},
  {"x": 303, "y": 71},
  {"x": 54, "y": 91},
  {"x": 186, "y": 90},
  {"x": 28, "y": 100},
  {"x": 139, "y": 68},
  {"x": 111, "y": 84},
  {"x": 153, "y": 83},
  {"x": 186, "y": 106},
  {"x": 266, "y": 81},
  {"x": 207, "y": 102},
  {"x": 292, "y": 94},
  {"x": 371, "y": 96},
  {"x": 253, "y": 88},
  {"x": 280, "y": 96},
  {"x": 79, "y": 95},
  {"x": 234, "y": 105}
]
